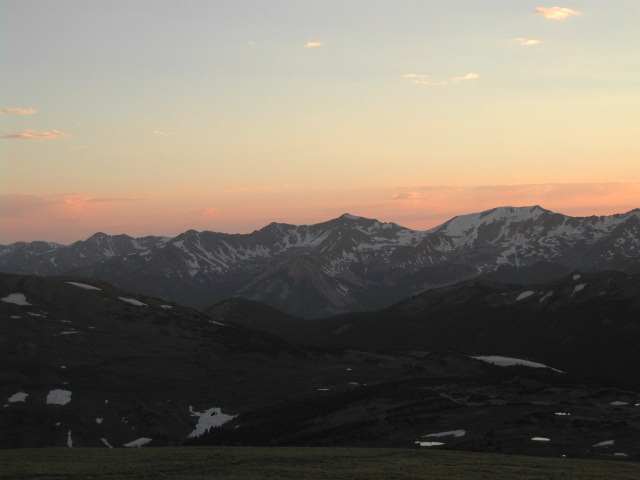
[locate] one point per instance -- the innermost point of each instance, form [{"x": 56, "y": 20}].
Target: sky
[{"x": 152, "y": 117}]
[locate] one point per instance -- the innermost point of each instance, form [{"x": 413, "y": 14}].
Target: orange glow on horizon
[{"x": 67, "y": 218}]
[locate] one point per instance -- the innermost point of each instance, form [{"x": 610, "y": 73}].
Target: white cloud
[
  {"x": 161, "y": 133},
  {"x": 410, "y": 196},
  {"x": 418, "y": 78},
  {"x": 556, "y": 13},
  {"x": 526, "y": 42},
  {"x": 19, "y": 111},
  {"x": 468, "y": 76},
  {"x": 424, "y": 79},
  {"x": 205, "y": 213},
  {"x": 578, "y": 197},
  {"x": 36, "y": 135},
  {"x": 63, "y": 204},
  {"x": 314, "y": 44}
]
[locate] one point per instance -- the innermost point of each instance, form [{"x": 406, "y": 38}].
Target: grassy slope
[{"x": 215, "y": 463}]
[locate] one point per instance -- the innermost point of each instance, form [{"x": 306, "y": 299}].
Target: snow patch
[
  {"x": 166, "y": 307},
  {"x": 17, "y": 299},
  {"x": 105, "y": 443},
  {"x": 545, "y": 296},
  {"x": 578, "y": 288},
  {"x": 58, "y": 397},
  {"x": 577, "y": 277},
  {"x": 84, "y": 285},
  {"x": 208, "y": 419},
  {"x": 133, "y": 301},
  {"x": 606, "y": 443},
  {"x": 99, "y": 420},
  {"x": 540, "y": 439},
  {"x": 452, "y": 433},
  {"x": 508, "y": 362},
  {"x": 618, "y": 403},
  {"x": 18, "y": 397},
  {"x": 138, "y": 443},
  {"x": 429, "y": 444},
  {"x": 524, "y": 295},
  {"x": 35, "y": 314}
]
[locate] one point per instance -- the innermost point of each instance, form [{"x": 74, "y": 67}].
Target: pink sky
[
  {"x": 152, "y": 117},
  {"x": 69, "y": 217}
]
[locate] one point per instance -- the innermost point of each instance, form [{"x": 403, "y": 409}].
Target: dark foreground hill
[
  {"x": 87, "y": 364},
  {"x": 299, "y": 464},
  {"x": 585, "y": 324}
]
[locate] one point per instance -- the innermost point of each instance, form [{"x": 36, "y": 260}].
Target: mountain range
[{"x": 343, "y": 265}]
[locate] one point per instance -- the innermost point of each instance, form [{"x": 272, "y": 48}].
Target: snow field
[
  {"x": 58, "y": 397},
  {"x": 17, "y": 299},
  {"x": 133, "y": 301},
  {"x": 84, "y": 285},
  {"x": 208, "y": 419}
]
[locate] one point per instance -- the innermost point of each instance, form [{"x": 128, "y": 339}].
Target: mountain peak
[
  {"x": 515, "y": 211},
  {"x": 348, "y": 216},
  {"x": 98, "y": 236}
]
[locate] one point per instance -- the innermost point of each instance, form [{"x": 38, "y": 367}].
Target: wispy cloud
[
  {"x": 18, "y": 111},
  {"x": 410, "y": 196},
  {"x": 160, "y": 133},
  {"x": 64, "y": 205},
  {"x": 549, "y": 195},
  {"x": 526, "y": 42},
  {"x": 36, "y": 135},
  {"x": 204, "y": 213},
  {"x": 419, "y": 78},
  {"x": 112, "y": 199},
  {"x": 556, "y": 13},
  {"x": 314, "y": 44},
  {"x": 424, "y": 79},
  {"x": 468, "y": 76},
  {"x": 24, "y": 217}
]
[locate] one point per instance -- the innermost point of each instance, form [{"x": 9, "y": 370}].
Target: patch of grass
[{"x": 240, "y": 463}]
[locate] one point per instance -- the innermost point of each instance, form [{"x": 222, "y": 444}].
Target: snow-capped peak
[{"x": 465, "y": 224}]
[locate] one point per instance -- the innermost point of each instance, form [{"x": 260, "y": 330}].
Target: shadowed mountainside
[{"x": 587, "y": 324}]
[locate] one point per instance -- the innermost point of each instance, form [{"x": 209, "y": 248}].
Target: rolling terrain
[
  {"x": 587, "y": 324},
  {"x": 89, "y": 364}
]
